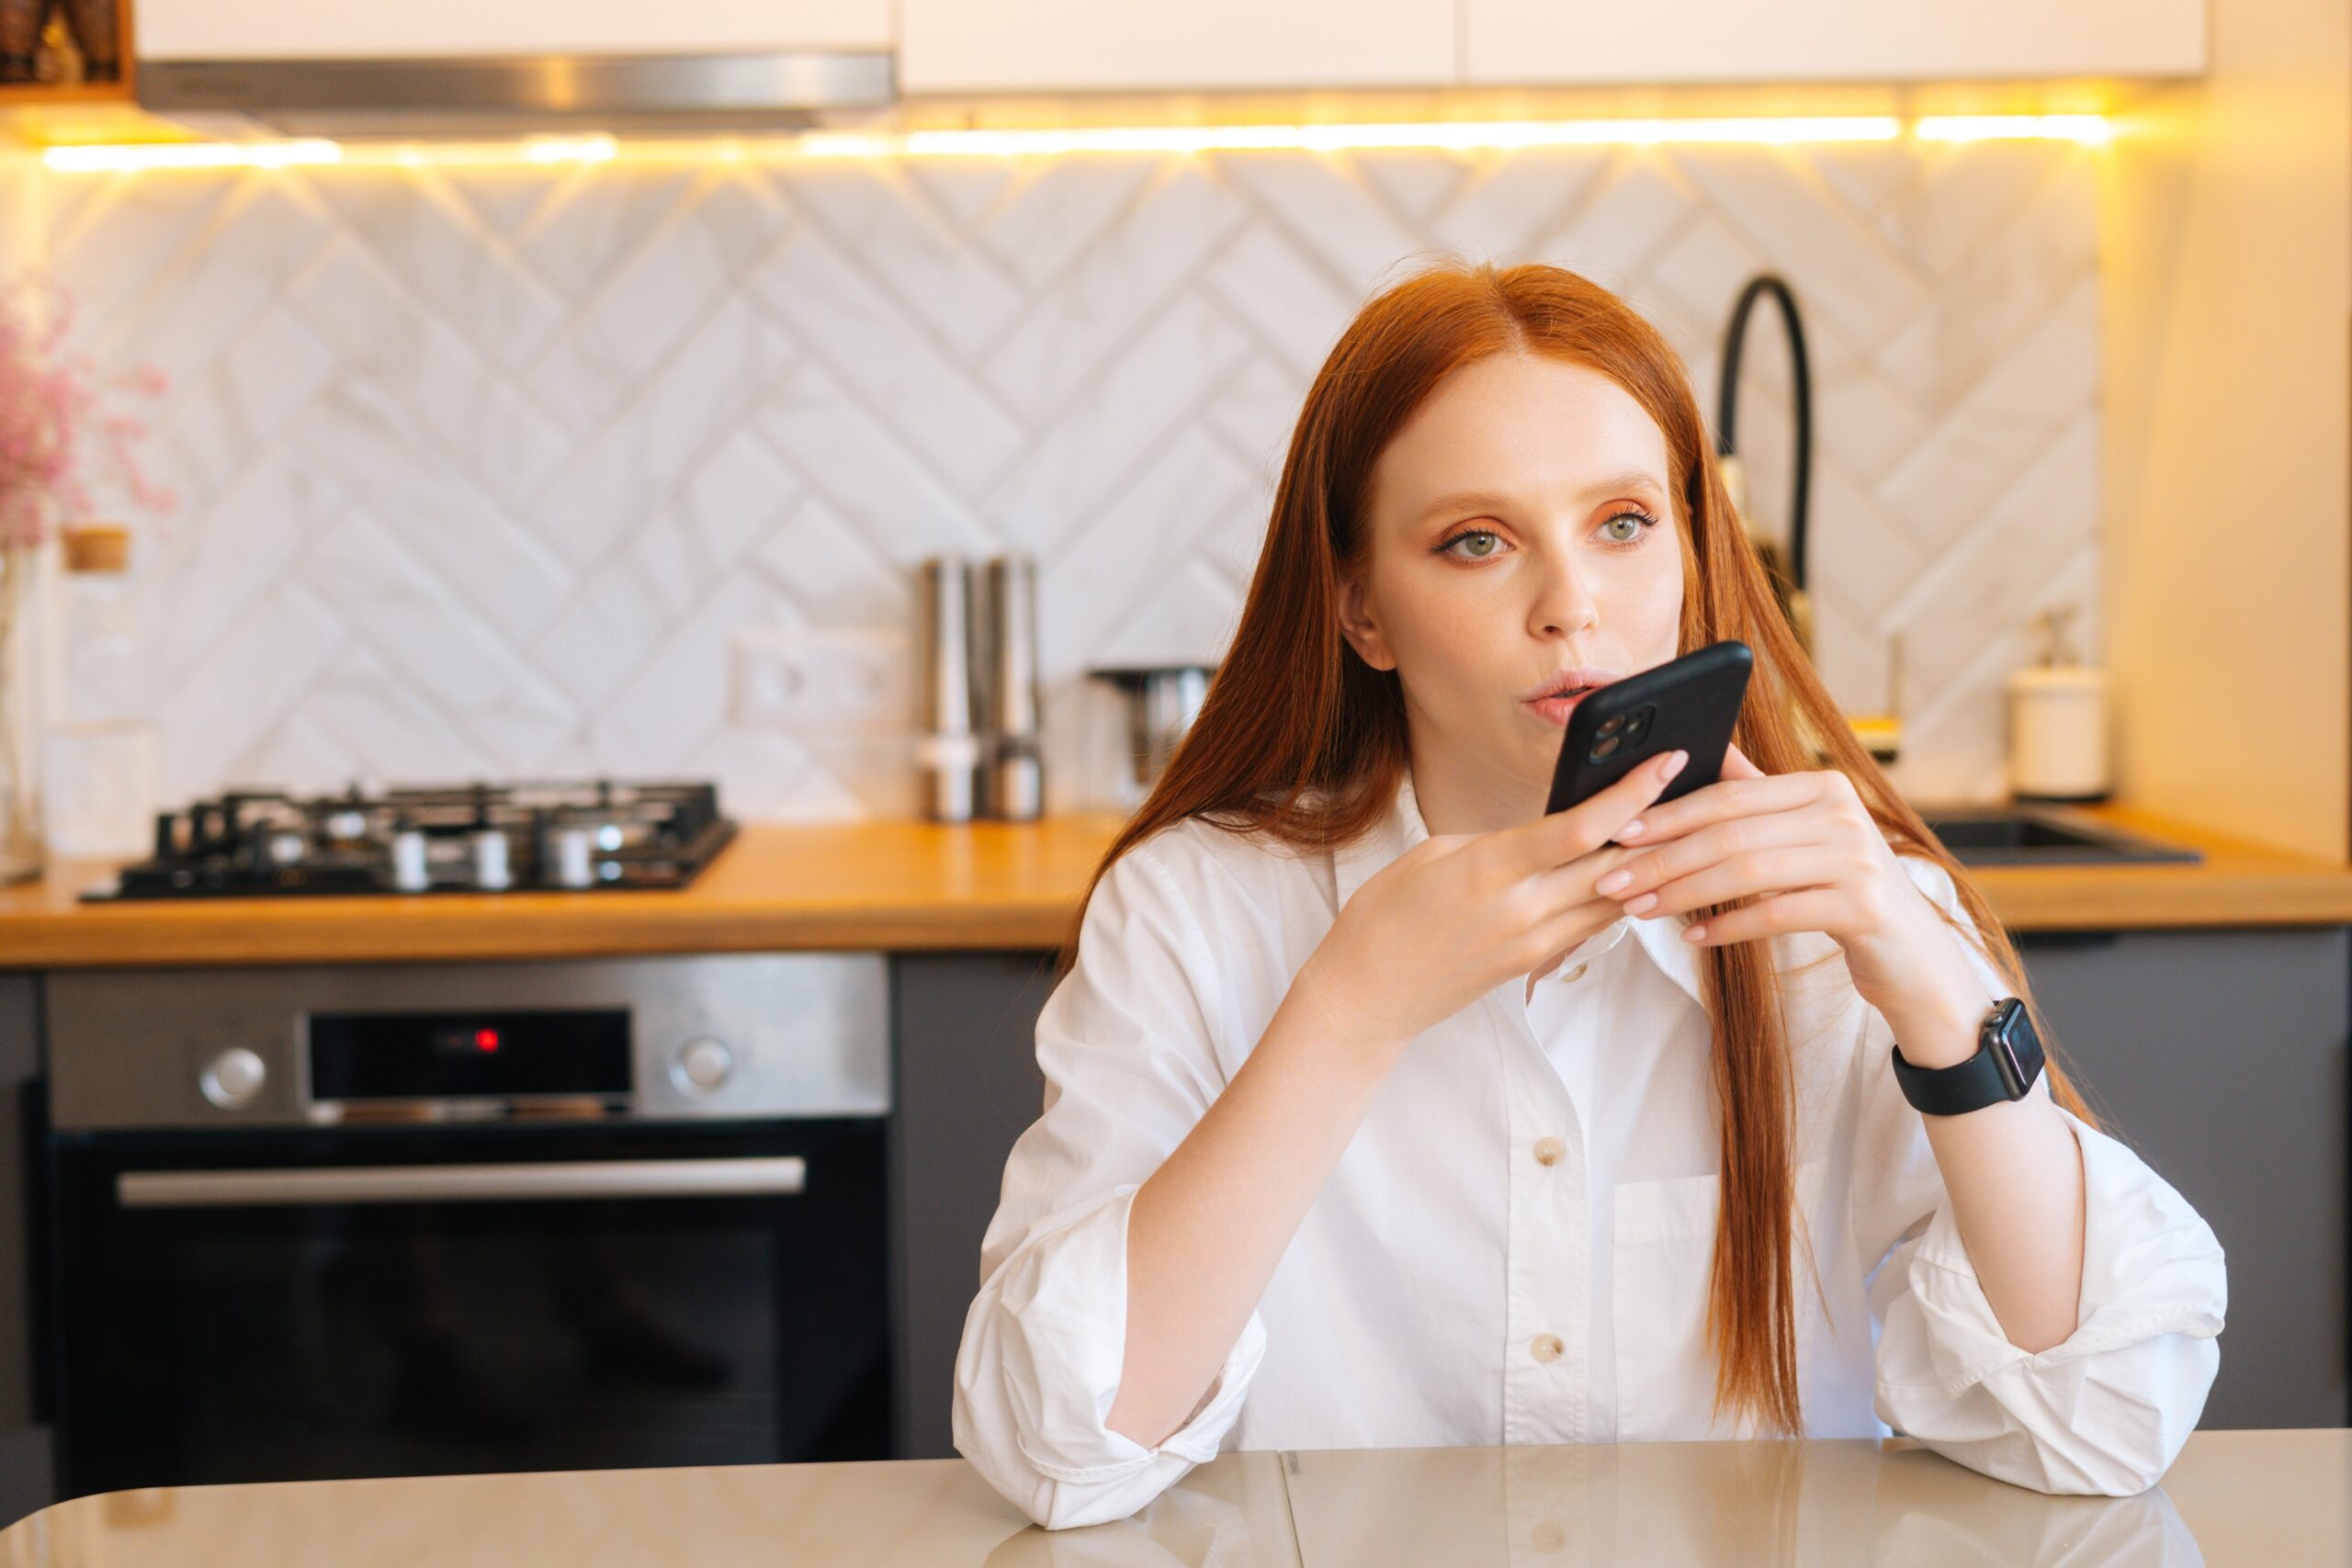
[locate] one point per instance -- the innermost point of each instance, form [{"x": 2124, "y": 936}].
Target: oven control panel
[{"x": 748, "y": 1035}]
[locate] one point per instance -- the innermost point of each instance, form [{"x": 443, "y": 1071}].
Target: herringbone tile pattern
[{"x": 483, "y": 470}]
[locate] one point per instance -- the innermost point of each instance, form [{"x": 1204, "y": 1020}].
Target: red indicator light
[{"x": 485, "y": 1040}]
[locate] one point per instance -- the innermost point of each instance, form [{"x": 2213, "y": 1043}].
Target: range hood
[{"x": 518, "y": 95}]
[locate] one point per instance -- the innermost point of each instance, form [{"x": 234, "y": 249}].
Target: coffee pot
[{"x": 1163, "y": 701}]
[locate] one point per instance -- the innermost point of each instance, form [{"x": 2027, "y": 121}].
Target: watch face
[{"x": 2017, "y": 1050}]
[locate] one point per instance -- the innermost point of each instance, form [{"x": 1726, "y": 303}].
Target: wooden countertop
[
  {"x": 909, "y": 885},
  {"x": 2255, "y": 1500}
]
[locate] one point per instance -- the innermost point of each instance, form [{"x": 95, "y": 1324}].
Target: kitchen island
[{"x": 2268, "y": 1498}]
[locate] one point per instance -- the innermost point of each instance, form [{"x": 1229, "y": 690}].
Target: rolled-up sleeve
[
  {"x": 1127, "y": 1047},
  {"x": 2103, "y": 1411}
]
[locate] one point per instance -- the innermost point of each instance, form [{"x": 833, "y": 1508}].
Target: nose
[{"x": 1563, "y": 602}]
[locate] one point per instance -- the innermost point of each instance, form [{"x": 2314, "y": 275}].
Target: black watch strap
[{"x": 2008, "y": 1060}]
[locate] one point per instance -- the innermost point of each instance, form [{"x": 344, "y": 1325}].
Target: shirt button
[
  {"x": 1575, "y": 974},
  {"x": 1549, "y": 1150},
  {"x": 1545, "y": 1347}
]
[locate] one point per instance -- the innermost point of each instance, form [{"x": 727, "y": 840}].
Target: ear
[{"x": 1357, "y": 624}]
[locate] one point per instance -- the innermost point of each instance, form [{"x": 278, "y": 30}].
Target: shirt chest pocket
[{"x": 1661, "y": 1268}]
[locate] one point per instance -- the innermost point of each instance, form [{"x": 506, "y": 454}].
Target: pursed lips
[
  {"x": 1555, "y": 709},
  {"x": 1555, "y": 706}
]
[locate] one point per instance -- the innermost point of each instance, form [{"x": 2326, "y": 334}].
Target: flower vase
[
  {"x": 21, "y": 24},
  {"x": 23, "y": 855}
]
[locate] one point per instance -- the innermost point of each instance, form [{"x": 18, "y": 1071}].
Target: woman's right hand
[{"x": 1454, "y": 917}]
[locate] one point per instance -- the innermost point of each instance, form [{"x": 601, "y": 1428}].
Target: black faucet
[{"x": 1789, "y": 581}]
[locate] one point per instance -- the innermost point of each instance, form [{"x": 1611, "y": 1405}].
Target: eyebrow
[{"x": 1491, "y": 501}]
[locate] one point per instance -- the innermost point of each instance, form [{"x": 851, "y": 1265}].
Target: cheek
[
  {"x": 1444, "y": 646},
  {"x": 1441, "y": 641},
  {"x": 1411, "y": 614},
  {"x": 1658, "y": 596}
]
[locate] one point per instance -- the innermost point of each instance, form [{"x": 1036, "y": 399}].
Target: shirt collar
[{"x": 1401, "y": 827}]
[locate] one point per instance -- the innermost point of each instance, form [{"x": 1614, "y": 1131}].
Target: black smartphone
[{"x": 1685, "y": 705}]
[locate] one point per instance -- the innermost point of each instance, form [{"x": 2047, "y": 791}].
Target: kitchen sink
[{"x": 2031, "y": 835}]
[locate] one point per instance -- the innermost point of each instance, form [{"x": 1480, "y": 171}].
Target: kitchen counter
[
  {"x": 902, "y": 885},
  {"x": 2272, "y": 1498}
]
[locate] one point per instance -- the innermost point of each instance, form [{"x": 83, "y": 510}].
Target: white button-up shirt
[{"x": 1515, "y": 1246}]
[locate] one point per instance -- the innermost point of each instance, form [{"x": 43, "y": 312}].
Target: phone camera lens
[
  {"x": 1608, "y": 744},
  {"x": 1612, "y": 725}
]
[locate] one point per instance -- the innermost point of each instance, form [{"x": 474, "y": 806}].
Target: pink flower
[{"x": 51, "y": 400}]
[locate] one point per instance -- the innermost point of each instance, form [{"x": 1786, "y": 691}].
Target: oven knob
[
  {"x": 702, "y": 1065},
  {"x": 233, "y": 1078}
]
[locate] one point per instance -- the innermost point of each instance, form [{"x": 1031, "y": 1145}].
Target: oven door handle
[{"x": 541, "y": 1181}]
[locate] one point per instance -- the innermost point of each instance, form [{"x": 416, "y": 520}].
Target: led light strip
[{"x": 1454, "y": 136}]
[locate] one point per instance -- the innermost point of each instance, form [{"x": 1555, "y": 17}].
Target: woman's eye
[
  {"x": 1488, "y": 534},
  {"x": 1485, "y": 543}
]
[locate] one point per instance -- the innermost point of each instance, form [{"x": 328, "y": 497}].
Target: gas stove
[{"x": 478, "y": 837}]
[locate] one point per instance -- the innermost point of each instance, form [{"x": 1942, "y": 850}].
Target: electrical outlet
[{"x": 822, "y": 681}]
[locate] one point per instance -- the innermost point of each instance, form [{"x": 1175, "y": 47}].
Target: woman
[{"x": 1383, "y": 1110}]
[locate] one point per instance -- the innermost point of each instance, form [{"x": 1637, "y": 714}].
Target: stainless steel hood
[{"x": 509, "y": 96}]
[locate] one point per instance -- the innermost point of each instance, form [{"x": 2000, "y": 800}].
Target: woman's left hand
[{"x": 1809, "y": 849}]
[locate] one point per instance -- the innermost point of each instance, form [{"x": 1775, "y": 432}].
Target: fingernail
[
  {"x": 1695, "y": 933},
  {"x": 1629, "y": 831},
  {"x": 1674, "y": 764},
  {"x": 1613, "y": 881}
]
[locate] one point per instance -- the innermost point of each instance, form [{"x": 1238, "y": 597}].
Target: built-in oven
[{"x": 426, "y": 1219}]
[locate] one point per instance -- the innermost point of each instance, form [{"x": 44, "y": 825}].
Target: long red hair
[{"x": 1300, "y": 738}]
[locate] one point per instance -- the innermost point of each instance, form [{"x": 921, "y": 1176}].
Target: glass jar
[{"x": 99, "y": 748}]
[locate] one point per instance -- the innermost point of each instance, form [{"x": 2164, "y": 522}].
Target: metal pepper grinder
[
  {"x": 1012, "y": 773},
  {"x": 947, "y": 747}
]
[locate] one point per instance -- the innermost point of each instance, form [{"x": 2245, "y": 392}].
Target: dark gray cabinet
[
  {"x": 967, "y": 1085},
  {"x": 2219, "y": 1056},
  {"x": 24, "y": 1447}
]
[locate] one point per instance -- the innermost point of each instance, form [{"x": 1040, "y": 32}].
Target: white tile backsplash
[{"x": 485, "y": 467}]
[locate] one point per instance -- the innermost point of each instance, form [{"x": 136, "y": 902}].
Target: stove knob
[
  {"x": 232, "y": 1080},
  {"x": 412, "y": 872},
  {"x": 574, "y": 863},
  {"x": 702, "y": 1065},
  {"x": 490, "y": 861}
]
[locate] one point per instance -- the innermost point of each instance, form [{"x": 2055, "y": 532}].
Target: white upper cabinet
[
  {"x": 963, "y": 46},
  {"x": 1539, "y": 41},
  {"x": 1084, "y": 46},
  {"x": 260, "y": 30}
]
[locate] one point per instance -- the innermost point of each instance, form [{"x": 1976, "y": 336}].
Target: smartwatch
[{"x": 2008, "y": 1060}]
